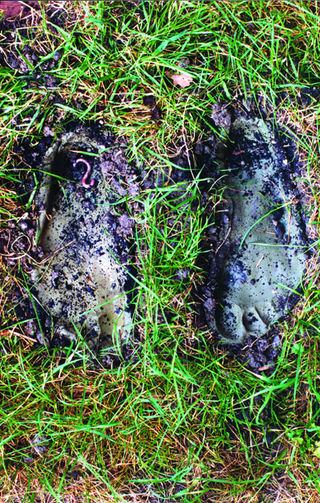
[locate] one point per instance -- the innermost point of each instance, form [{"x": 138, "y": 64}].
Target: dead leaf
[
  {"x": 12, "y": 8},
  {"x": 182, "y": 79}
]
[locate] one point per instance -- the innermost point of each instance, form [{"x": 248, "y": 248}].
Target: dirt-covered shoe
[
  {"x": 82, "y": 282},
  {"x": 261, "y": 253}
]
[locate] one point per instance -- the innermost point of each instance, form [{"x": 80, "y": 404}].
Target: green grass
[{"x": 191, "y": 428}]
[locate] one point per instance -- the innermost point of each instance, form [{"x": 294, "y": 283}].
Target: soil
[{"x": 85, "y": 274}]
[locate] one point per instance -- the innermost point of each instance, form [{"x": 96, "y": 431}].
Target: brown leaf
[
  {"x": 12, "y": 8},
  {"x": 182, "y": 79}
]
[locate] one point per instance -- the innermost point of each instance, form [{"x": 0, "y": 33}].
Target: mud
[
  {"x": 261, "y": 247},
  {"x": 83, "y": 277},
  {"x": 72, "y": 248}
]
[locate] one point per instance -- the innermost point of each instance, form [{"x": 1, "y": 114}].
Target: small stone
[
  {"x": 40, "y": 444},
  {"x": 24, "y": 225}
]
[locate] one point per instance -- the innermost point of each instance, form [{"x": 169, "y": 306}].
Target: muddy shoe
[
  {"x": 81, "y": 283},
  {"x": 260, "y": 257}
]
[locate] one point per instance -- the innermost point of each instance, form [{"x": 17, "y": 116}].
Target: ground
[{"x": 175, "y": 415}]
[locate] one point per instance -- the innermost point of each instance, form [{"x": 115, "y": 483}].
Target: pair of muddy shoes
[{"x": 259, "y": 257}]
